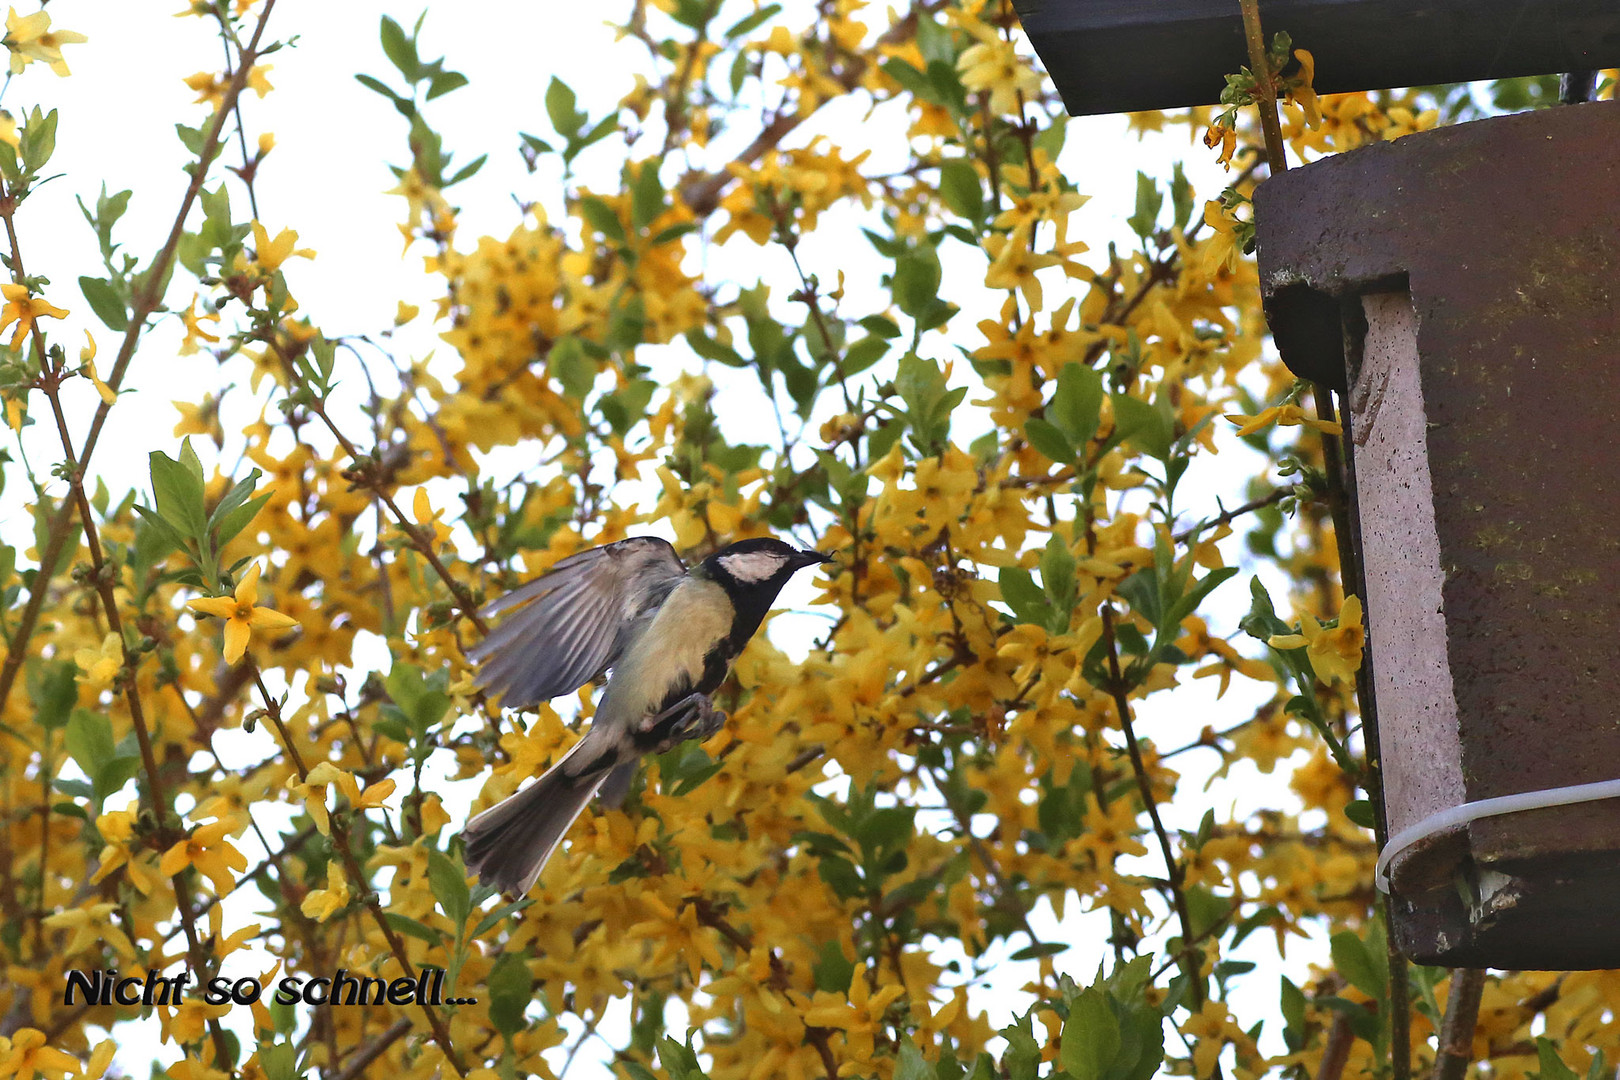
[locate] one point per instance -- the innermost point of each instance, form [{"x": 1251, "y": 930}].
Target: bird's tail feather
[{"x": 508, "y": 844}]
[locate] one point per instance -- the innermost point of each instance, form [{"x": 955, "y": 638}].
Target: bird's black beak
[{"x": 810, "y": 558}]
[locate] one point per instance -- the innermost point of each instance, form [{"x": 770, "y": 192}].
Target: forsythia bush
[{"x": 822, "y": 888}]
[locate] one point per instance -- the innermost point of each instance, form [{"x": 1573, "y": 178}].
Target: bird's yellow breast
[{"x": 695, "y": 618}]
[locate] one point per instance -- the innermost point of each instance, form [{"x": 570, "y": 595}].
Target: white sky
[{"x": 326, "y": 178}]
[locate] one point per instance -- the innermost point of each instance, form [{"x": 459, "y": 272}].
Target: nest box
[{"x": 1459, "y": 290}]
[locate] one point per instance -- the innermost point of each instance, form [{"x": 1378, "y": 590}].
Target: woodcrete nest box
[{"x": 1459, "y": 288}]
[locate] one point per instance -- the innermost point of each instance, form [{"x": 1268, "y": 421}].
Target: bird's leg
[{"x": 692, "y": 717}]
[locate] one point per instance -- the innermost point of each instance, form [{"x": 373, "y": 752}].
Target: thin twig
[
  {"x": 1228, "y": 516},
  {"x": 1173, "y": 870}
]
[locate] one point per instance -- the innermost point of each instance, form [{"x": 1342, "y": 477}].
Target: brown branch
[
  {"x": 1265, "y": 86},
  {"x": 1336, "y": 1048},
  {"x": 373, "y": 1050},
  {"x": 1455, "y": 1051}
]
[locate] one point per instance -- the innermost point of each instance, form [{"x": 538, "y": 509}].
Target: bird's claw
[{"x": 692, "y": 717}]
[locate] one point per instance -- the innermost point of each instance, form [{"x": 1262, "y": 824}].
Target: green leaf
[
  {"x": 880, "y": 326},
  {"x": 167, "y": 537},
  {"x": 235, "y": 497},
  {"x": 710, "y": 349},
  {"x": 1141, "y": 590},
  {"x": 1360, "y": 811},
  {"x": 910, "y": 1065},
  {"x": 960, "y": 187},
  {"x": 178, "y": 493},
  {"x": 604, "y": 127},
  {"x": 487, "y": 923},
  {"x": 675, "y": 232},
  {"x": 54, "y": 696},
  {"x": 114, "y": 774},
  {"x": 1023, "y": 1055},
  {"x": 279, "y": 1061},
  {"x": 105, "y": 302},
  {"x": 1205, "y": 909},
  {"x": 1189, "y": 602},
  {"x": 752, "y": 22},
  {"x": 1076, "y": 404},
  {"x": 1149, "y": 202},
  {"x": 1143, "y": 425},
  {"x": 422, "y": 699},
  {"x": 1552, "y": 1066},
  {"x": 834, "y": 970},
  {"x": 863, "y": 354},
  {"x": 467, "y": 170},
  {"x": 1090, "y": 1036},
  {"x": 1057, "y": 575},
  {"x": 680, "y": 1060},
  {"x": 511, "y": 989},
  {"x": 842, "y": 877},
  {"x": 572, "y": 368},
  {"x": 1293, "y": 1012},
  {"x": 448, "y": 880},
  {"x": 38, "y": 139},
  {"x": 646, "y": 195},
  {"x": 1049, "y": 440},
  {"x": 238, "y": 519},
  {"x": 1261, "y": 622},
  {"x": 90, "y": 740},
  {"x": 1360, "y": 968},
  {"x": 624, "y": 408},
  {"x": 560, "y": 107},
  {"x": 915, "y": 282},
  {"x": 1181, "y": 198},
  {"x": 1038, "y": 950},
  {"x": 909, "y": 78},
  {"x": 400, "y": 50},
  {"x": 921, "y": 385},
  {"x": 602, "y": 218},
  {"x": 403, "y": 104},
  {"x": 419, "y": 930},
  {"x": 445, "y": 82},
  {"x": 685, "y": 767},
  {"x": 1027, "y": 599}
]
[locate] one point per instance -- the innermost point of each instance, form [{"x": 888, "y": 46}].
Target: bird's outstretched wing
[{"x": 574, "y": 620}]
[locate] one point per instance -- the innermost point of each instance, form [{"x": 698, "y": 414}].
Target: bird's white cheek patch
[{"x": 753, "y": 566}]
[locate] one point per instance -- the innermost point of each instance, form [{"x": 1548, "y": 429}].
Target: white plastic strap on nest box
[{"x": 1484, "y": 808}]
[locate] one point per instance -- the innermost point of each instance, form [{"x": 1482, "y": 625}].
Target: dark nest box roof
[{"x": 1128, "y": 55}]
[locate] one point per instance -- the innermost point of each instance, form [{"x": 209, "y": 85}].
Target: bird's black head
[{"x": 758, "y": 568}]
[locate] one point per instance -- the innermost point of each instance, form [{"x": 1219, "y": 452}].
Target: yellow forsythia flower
[{"x": 241, "y": 616}]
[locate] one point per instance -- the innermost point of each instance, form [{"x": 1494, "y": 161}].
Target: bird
[{"x": 668, "y": 633}]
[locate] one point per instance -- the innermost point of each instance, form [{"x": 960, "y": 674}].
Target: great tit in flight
[{"x": 669, "y": 634}]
